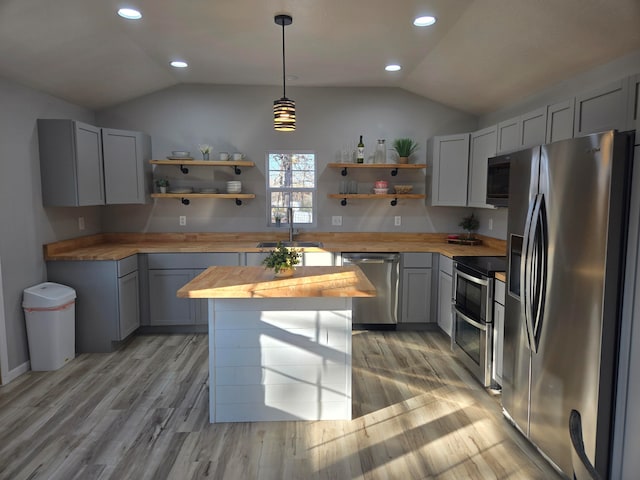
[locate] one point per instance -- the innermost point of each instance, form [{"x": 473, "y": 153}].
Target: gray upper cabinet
[
  {"x": 509, "y": 135},
  {"x": 483, "y": 145},
  {"x": 634, "y": 106},
  {"x": 127, "y": 173},
  {"x": 560, "y": 121},
  {"x": 450, "y": 167},
  {"x": 533, "y": 128},
  {"x": 70, "y": 163},
  {"x": 602, "y": 109}
]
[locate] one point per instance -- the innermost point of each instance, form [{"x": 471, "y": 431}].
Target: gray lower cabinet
[
  {"x": 445, "y": 294},
  {"x": 107, "y": 305},
  {"x": 167, "y": 273},
  {"x": 415, "y": 287}
]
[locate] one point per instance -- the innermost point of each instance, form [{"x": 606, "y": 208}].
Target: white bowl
[{"x": 180, "y": 153}]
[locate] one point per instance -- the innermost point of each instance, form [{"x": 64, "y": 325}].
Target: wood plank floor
[{"x": 141, "y": 413}]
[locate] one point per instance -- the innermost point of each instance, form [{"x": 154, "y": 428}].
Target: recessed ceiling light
[
  {"x": 130, "y": 14},
  {"x": 424, "y": 21},
  {"x": 179, "y": 64},
  {"x": 393, "y": 68}
]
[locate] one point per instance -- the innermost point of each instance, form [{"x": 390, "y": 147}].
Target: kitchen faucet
[{"x": 290, "y": 222}]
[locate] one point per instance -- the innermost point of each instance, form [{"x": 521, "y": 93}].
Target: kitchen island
[{"x": 279, "y": 348}]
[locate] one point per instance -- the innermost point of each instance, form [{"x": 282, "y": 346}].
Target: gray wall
[
  {"x": 237, "y": 118},
  {"x": 26, "y": 225}
]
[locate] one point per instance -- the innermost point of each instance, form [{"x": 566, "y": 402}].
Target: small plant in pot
[
  {"x": 404, "y": 147},
  {"x": 162, "y": 184},
  {"x": 469, "y": 224},
  {"x": 283, "y": 260}
]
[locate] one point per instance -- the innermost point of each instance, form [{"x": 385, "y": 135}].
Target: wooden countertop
[
  {"x": 501, "y": 276},
  {"x": 116, "y": 246},
  {"x": 258, "y": 282}
]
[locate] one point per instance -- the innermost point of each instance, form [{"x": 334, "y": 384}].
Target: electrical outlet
[
  {"x": 397, "y": 221},
  {"x": 80, "y": 223},
  {"x": 336, "y": 220},
  {"x": 183, "y": 220},
  {"x": 491, "y": 224}
]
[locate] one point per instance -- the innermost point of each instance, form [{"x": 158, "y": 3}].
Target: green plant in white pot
[
  {"x": 404, "y": 147},
  {"x": 470, "y": 224},
  {"x": 283, "y": 260},
  {"x": 162, "y": 184}
]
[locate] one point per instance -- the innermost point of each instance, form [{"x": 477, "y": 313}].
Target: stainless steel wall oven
[{"x": 472, "y": 306}]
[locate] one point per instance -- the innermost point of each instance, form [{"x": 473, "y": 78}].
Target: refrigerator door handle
[
  {"x": 529, "y": 271},
  {"x": 539, "y": 284}
]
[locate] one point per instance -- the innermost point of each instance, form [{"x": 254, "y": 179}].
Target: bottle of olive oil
[{"x": 360, "y": 151}]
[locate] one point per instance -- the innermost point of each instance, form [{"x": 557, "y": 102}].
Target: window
[{"x": 291, "y": 182}]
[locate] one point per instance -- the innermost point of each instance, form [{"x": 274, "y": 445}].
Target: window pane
[
  {"x": 279, "y": 199},
  {"x": 276, "y": 179},
  {"x": 303, "y": 161},
  {"x": 303, "y": 179}
]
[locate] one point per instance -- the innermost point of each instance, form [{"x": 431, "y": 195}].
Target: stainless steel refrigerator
[{"x": 566, "y": 240}]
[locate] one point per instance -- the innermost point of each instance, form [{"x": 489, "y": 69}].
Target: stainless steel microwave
[{"x": 498, "y": 181}]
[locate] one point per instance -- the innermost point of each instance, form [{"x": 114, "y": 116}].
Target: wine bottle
[{"x": 360, "y": 152}]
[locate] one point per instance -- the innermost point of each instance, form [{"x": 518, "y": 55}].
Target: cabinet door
[
  {"x": 483, "y": 146},
  {"x": 128, "y": 305},
  {"x": 416, "y": 295},
  {"x": 126, "y": 176},
  {"x": 450, "y": 162},
  {"x": 560, "y": 121},
  {"x": 602, "y": 109},
  {"x": 445, "y": 293},
  {"x": 509, "y": 135},
  {"x": 89, "y": 165},
  {"x": 534, "y": 128},
  {"x": 164, "y": 307},
  {"x": 498, "y": 341}
]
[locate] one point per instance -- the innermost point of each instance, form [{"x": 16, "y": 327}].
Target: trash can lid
[{"x": 47, "y": 294}]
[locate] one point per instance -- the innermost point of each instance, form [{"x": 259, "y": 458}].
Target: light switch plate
[
  {"x": 183, "y": 220},
  {"x": 336, "y": 220},
  {"x": 397, "y": 221}
]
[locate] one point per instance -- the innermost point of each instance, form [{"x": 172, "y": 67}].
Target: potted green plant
[
  {"x": 205, "y": 150},
  {"x": 470, "y": 224},
  {"x": 162, "y": 184},
  {"x": 404, "y": 147},
  {"x": 283, "y": 260}
]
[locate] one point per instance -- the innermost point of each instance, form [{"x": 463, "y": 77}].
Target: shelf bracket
[
  {"x": 185, "y": 201},
  {"x": 344, "y": 172},
  {"x": 394, "y": 202},
  {"x": 236, "y": 169},
  {"x": 343, "y": 202},
  {"x": 184, "y": 169},
  {"x": 394, "y": 172},
  {"x": 238, "y": 202}
]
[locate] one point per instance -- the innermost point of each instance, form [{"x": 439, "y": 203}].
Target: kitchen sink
[{"x": 290, "y": 244}]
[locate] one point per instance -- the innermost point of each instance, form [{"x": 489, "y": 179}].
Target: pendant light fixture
[{"x": 284, "y": 110}]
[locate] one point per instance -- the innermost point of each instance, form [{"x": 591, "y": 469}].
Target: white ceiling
[{"x": 480, "y": 56}]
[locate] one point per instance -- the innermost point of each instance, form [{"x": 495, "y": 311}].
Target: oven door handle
[
  {"x": 471, "y": 278},
  {"x": 469, "y": 320}
]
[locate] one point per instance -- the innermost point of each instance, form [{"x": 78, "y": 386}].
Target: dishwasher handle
[{"x": 370, "y": 258}]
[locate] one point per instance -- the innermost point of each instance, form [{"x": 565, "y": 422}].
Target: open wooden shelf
[
  {"x": 394, "y": 167},
  {"x": 185, "y": 197},
  {"x": 394, "y": 197},
  {"x": 206, "y": 163}
]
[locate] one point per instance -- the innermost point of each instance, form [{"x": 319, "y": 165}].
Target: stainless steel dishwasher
[{"x": 382, "y": 270}]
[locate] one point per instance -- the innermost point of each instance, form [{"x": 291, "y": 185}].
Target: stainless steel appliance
[
  {"x": 498, "y": 181},
  {"x": 566, "y": 241},
  {"x": 472, "y": 308},
  {"x": 382, "y": 270}
]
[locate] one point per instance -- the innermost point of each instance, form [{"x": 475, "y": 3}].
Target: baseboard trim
[{"x": 16, "y": 372}]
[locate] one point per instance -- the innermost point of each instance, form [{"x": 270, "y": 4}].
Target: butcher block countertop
[
  {"x": 257, "y": 282},
  {"x": 116, "y": 246}
]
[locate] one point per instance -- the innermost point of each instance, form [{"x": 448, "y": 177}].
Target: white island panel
[{"x": 280, "y": 359}]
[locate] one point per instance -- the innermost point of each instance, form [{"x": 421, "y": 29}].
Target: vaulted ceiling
[{"x": 481, "y": 55}]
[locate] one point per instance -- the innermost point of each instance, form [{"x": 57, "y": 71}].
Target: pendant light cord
[{"x": 284, "y": 81}]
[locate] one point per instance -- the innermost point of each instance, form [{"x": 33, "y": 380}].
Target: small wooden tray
[{"x": 465, "y": 241}]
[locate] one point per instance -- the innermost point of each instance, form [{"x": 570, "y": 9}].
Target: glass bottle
[
  {"x": 381, "y": 152},
  {"x": 360, "y": 151}
]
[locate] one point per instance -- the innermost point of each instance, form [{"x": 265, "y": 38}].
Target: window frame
[{"x": 313, "y": 190}]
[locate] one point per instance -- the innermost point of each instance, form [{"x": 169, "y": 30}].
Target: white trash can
[{"x": 49, "y": 310}]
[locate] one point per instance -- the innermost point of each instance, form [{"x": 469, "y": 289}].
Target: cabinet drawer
[
  {"x": 127, "y": 265},
  {"x": 416, "y": 260},
  {"x": 191, "y": 260},
  {"x": 498, "y": 294},
  {"x": 446, "y": 264}
]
